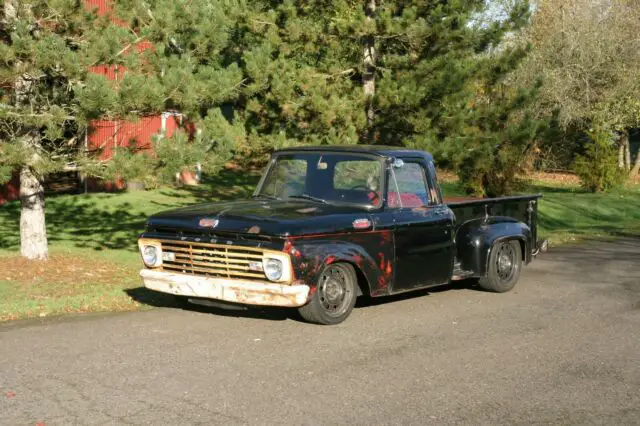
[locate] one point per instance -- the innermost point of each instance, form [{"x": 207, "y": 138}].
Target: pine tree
[
  {"x": 49, "y": 96},
  {"x": 44, "y": 57},
  {"x": 425, "y": 74},
  {"x": 443, "y": 69}
]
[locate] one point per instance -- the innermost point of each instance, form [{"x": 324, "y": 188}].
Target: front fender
[
  {"x": 370, "y": 254},
  {"x": 475, "y": 239}
]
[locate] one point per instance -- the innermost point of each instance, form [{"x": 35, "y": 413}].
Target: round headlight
[
  {"x": 273, "y": 269},
  {"x": 150, "y": 255}
]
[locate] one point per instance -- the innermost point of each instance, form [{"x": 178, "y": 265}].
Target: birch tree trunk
[
  {"x": 33, "y": 232},
  {"x": 621, "y": 155},
  {"x": 369, "y": 72}
]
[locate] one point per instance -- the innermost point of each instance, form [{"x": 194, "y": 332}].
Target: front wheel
[
  {"x": 335, "y": 295},
  {"x": 505, "y": 264}
]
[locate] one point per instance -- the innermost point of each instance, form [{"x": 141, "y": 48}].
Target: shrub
[{"x": 597, "y": 168}]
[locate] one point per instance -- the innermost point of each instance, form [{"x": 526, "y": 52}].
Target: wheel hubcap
[
  {"x": 505, "y": 262},
  {"x": 334, "y": 292}
]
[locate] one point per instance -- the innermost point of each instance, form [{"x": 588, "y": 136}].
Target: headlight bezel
[
  {"x": 142, "y": 245},
  {"x": 285, "y": 266},
  {"x": 272, "y": 268}
]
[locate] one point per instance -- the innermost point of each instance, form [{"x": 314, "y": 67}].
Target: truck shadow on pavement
[{"x": 160, "y": 300}]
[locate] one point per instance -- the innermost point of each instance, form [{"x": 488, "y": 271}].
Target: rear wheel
[
  {"x": 505, "y": 264},
  {"x": 335, "y": 295}
]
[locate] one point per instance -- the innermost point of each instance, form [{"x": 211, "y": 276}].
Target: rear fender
[{"x": 475, "y": 239}]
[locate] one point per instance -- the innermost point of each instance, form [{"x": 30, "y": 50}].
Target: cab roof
[{"x": 381, "y": 150}]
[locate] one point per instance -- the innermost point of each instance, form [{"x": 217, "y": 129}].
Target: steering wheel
[{"x": 365, "y": 187}]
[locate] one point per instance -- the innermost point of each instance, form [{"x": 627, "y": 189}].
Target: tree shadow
[
  {"x": 82, "y": 222},
  {"x": 103, "y": 221},
  {"x": 227, "y": 185}
]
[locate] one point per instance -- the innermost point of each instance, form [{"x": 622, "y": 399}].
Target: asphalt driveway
[{"x": 562, "y": 348}]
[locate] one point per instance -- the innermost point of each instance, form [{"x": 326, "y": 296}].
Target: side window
[
  {"x": 409, "y": 189},
  {"x": 287, "y": 178}
]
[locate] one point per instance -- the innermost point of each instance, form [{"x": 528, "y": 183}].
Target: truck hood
[{"x": 275, "y": 218}]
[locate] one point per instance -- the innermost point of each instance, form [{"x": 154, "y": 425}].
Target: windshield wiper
[
  {"x": 271, "y": 197},
  {"x": 310, "y": 197}
]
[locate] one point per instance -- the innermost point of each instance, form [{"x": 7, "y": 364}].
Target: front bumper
[{"x": 230, "y": 290}]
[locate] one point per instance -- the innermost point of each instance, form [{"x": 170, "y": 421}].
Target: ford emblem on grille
[{"x": 208, "y": 222}]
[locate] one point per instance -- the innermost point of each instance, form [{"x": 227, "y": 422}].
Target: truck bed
[{"x": 523, "y": 208}]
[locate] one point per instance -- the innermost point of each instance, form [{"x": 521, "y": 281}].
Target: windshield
[{"x": 325, "y": 178}]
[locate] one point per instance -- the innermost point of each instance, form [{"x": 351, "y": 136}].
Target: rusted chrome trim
[{"x": 248, "y": 292}]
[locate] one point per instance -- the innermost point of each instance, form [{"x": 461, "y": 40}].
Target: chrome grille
[{"x": 214, "y": 260}]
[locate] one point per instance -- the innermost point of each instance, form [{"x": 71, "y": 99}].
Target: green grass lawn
[{"x": 98, "y": 232}]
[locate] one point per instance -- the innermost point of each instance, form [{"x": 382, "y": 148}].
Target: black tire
[
  {"x": 335, "y": 295},
  {"x": 505, "y": 264}
]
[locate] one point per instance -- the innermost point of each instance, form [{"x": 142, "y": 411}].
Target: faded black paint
[
  {"x": 404, "y": 249},
  {"x": 372, "y": 253}
]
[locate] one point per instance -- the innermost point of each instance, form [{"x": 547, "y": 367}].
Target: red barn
[{"x": 103, "y": 136}]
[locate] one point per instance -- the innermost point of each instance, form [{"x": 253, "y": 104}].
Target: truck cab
[{"x": 327, "y": 224}]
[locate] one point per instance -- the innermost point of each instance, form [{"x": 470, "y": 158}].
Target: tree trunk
[
  {"x": 369, "y": 72},
  {"x": 627, "y": 153},
  {"x": 621, "y": 155},
  {"x": 624, "y": 156},
  {"x": 33, "y": 232},
  {"x": 636, "y": 166}
]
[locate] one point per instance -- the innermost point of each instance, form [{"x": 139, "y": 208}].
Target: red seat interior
[{"x": 408, "y": 199}]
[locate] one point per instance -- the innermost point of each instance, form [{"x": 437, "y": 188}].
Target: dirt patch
[
  {"x": 62, "y": 269},
  {"x": 554, "y": 178},
  {"x": 557, "y": 178},
  {"x": 446, "y": 176}
]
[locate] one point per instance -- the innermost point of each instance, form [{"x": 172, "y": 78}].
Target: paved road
[{"x": 563, "y": 347}]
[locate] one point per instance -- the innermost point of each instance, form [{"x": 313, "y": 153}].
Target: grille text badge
[{"x": 168, "y": 256}]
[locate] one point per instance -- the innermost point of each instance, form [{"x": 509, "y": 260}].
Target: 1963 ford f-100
[{"x": 328, "y": 224}]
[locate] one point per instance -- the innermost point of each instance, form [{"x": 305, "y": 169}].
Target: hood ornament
[{"x": 208, "y": 222}]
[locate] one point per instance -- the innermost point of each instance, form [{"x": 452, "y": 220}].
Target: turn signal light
[{"x": 362, "y": 223}]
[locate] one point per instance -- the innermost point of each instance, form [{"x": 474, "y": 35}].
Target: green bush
[{"x": 597, "y": 168}]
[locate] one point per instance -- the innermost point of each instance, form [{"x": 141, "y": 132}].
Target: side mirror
[{"x": 397, "y": 163}]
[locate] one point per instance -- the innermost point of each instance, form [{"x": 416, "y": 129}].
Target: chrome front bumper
[{"x": 230, "y": 290}]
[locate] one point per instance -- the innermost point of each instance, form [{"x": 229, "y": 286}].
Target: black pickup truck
[{"x": 327, "y": 224}]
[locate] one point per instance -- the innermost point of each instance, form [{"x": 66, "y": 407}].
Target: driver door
[{"x": 422, "y": 228}]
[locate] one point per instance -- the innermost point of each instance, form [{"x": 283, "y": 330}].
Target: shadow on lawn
[
  {"x": 78, "y": 220},
  {"x": 228, "y": 185},
  {"x": 104, "y": 221}
]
